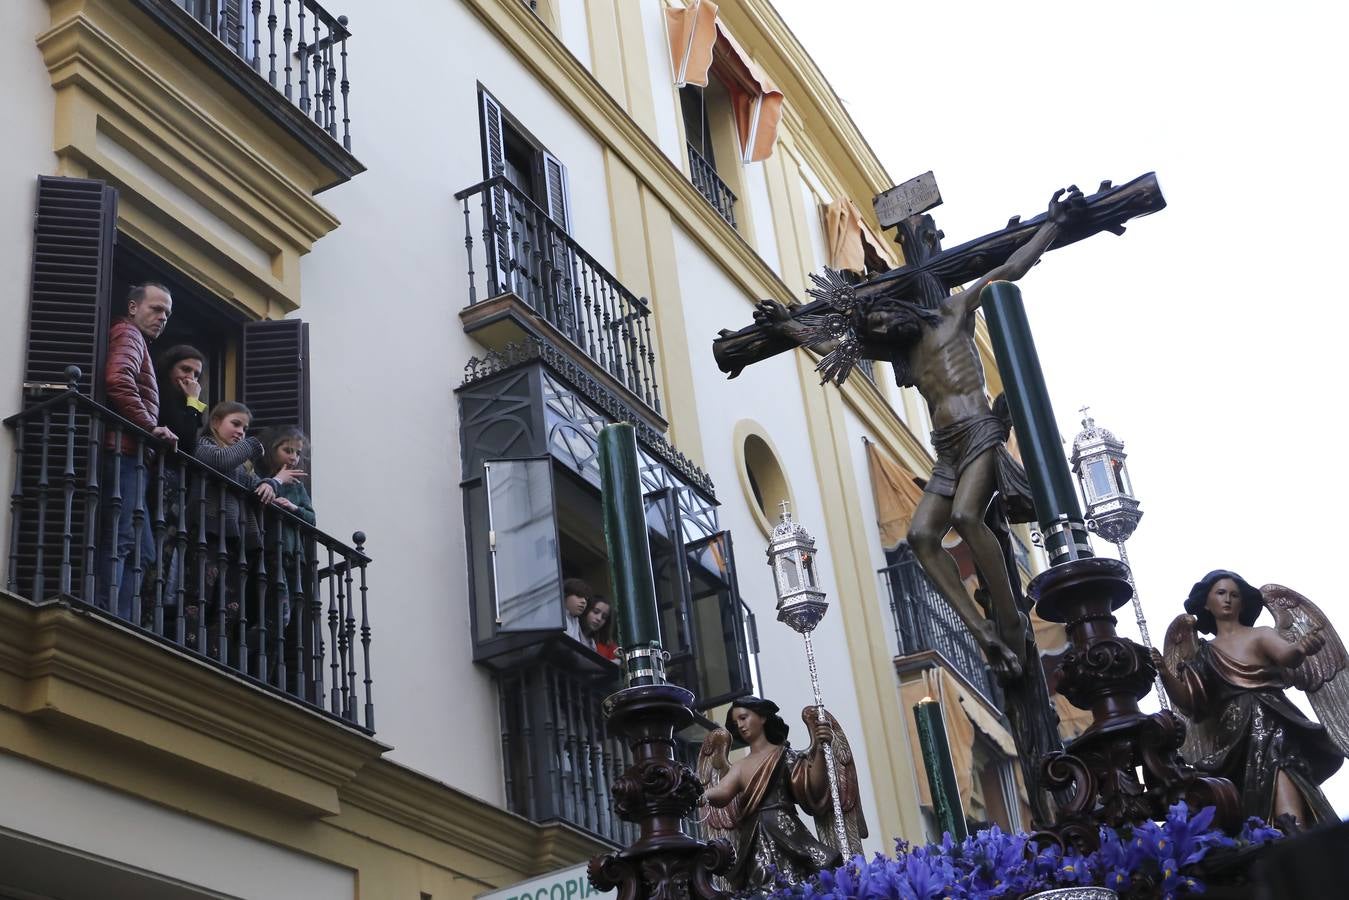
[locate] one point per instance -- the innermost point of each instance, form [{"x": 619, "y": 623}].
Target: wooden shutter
[
  {"x": 555, "y": 189},
  {"x": 494, "y": 164},
  {"x": 232, "y": 30},
  {"x": 73, "y": 235},
  {"x": 74, "y": 229},
  {"x": 275, "y": 367}
]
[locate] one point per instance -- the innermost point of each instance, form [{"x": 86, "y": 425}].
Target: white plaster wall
[
  {"x": 91, "y": 820},
  {"x": 29, "y": 103},
  {"x": 765, "y": 237},
  {"x": 662, "y": 80},
  {"x": 770, "y": 394},
  {"x": 575, "y": 34},
  {"x": 810, "y": 202},
  {"x": 382, "y": 295}
]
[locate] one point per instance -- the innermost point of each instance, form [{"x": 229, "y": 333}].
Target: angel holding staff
[
  {"x": 1242, "y": 726},
  {"x": 754, "y": 801}
]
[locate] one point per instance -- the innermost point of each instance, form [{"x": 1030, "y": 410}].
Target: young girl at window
[
  {"x": 285, "y": 447},
  {"x": 598, "y": 627}
]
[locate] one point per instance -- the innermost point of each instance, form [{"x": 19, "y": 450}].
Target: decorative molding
[
  {"x": 519, "y": 353},
  {"x": 65, "y": 665}
]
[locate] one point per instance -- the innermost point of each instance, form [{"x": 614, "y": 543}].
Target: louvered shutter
[
  {"x": 74, "y": 229},
  {"x": 555, "y": 187},
  {"x": 232, "y": 31},
  {"x": 494, "y": 164},
  {"x": 275, "y": 365}
]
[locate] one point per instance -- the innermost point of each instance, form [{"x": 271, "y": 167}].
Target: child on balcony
[
  {"x": 598, "y": 627},
  {"x": 225, "y": 446},
  {"x": 285, "y": 447}
]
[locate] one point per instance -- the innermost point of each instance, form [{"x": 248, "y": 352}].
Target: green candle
[
  {"x": 941, "y": 772},
  {"x": 625, "y": 536}
]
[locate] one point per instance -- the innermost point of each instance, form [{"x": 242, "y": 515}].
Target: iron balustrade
[
  {"x": 297, "y": 45},
  {"x": 524, "y": 252},
  {"x": 559, "y": 758},
  {"x": 288, "y": 610},
  {"x": 925, "y": 621},
  {"x": 705, "y": 178}
]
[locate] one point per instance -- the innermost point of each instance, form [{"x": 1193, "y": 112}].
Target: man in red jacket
[{"x": 133, "y": 393}]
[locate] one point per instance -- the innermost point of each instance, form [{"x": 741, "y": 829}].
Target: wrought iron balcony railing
[
  {"x": 925, "y": 621},
  {"x": 558, "y": 755},
  {"x": 275, "y": 600},
  {"x": 297, "y": 45},
  {"x": 705, "y": 178},
  {"x": 525, "y": 253}
]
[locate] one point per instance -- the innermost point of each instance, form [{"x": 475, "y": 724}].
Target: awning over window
[
  {"x": 698, "y": 42},
  {"x": 755, "y": 100},
  {"x": 849, "y": 238},
  {"x": 896, "y": 496},
  {"x": 693, "y": 31}
]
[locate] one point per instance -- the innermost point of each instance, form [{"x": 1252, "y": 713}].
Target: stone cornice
[
  {"x": 78, "y": 51},
  {"x": 439, "y": 811},
  {"x": 67, "y": 666}
]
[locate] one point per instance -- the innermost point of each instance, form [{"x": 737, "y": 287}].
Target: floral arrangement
[{"x": 1147, "y": 860}]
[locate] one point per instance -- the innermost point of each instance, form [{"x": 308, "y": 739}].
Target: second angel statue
[{"x": 754, "y": 801}]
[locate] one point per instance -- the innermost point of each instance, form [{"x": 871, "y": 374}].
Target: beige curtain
[
  {"x": 693, "y": 31},
  {"x": 896, "y": 496}
]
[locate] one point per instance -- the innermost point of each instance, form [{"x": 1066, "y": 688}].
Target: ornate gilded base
[
  {"x": 1096, "y": 780},
  {"x": 655, "y": 793}
]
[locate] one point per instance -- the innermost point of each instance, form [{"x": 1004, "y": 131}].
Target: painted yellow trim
[
  {"x": 204, "y": 181},
  {"x": 99, "y": 701}
]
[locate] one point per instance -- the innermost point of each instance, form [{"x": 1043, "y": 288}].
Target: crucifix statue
[{"x": 910, "y": 318}]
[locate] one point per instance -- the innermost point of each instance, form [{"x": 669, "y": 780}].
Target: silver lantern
[
  {"x": 791, "y": 553},
  {"x": 1112, "y": 509},
  {"x": 801, "y": 606}
]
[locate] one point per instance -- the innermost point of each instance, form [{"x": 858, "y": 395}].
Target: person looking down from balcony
[
  {"x": 597, "y": 625},
  {"x": 181, "y": 406},
  {"x": 133, "y": 393},
  {"x": 285, "y": 448},
  {"x": 226, "y": 446},
  {"x": 576, "y": 595}
]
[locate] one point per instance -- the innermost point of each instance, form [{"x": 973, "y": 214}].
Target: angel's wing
[
  {"x": 1324, "y": 675},
  {"x": 850, "y": 795},
  {"x": 713, "y": 765},
  {"x": 1181, "y": 645}
]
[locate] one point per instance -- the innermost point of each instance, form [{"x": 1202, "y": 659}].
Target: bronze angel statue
[
  {"x": 754, "y": 801},
  {"x": 1242, "y": 727}
]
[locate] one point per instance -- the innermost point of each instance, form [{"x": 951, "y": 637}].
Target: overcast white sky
[{"x": 1210, "y": 337}]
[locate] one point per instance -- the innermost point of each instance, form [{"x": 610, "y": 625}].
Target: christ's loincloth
[{"x": 960, "y": 444}]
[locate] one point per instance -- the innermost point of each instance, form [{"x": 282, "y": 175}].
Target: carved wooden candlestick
[
  {"x": 657, "y": 792},
  {"x": 1095, "y": 779}
]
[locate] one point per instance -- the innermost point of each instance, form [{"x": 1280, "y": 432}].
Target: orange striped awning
[{"x": 755, "y": 100}]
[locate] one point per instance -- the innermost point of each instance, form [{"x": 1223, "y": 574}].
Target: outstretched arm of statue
[
  {"x": 1285, "y": 654},
  {"x": 1063, "y": 206},
  {"x": 777, "y": 319},
  {"x": 1176, "y": 688},
  {"x": 724, "y": 791}
]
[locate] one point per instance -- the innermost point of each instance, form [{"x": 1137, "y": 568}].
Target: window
[
  {"x": 508, "y": 149},
  {"x": 762, "y": 476}
]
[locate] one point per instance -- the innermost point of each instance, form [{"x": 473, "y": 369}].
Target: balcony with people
[{"x": 161, "y": 464}]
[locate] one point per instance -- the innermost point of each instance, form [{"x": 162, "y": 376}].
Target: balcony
[
  {"x": 539, "y": 283},
  {"x": 288, "y": 612},
  {"x": 705, "y": 178},
  {"x": 559, "y": 758},
  {"x": 925, "y": 622}
]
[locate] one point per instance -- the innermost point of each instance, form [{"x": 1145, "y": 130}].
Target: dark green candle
[
  {"x": 941, "y": 772},
  {"x": 625, "y": 536},
  {"x": 1037, "y": 432}
]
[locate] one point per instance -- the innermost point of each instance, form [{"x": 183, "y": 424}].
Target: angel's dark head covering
[
  {"x": 774, "y": 728},
  {"x": 1251, "y": 601}
]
